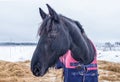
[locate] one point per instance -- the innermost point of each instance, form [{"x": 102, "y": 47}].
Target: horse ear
[
  {"x": 53, "y": 13},
  {"x": 42, "y": 14}
]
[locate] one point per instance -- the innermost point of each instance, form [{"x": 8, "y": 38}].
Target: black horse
[{"x": 58, "y": 34}]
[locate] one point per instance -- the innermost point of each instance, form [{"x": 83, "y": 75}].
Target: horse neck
[
  {"x": 77, "y": 37},
  {"x": 80, "y": 46}
]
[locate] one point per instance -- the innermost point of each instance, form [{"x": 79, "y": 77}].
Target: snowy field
[
  {"x": 22, "y": 53},
  {"x": 16, "y": 53},
  {"x": 112, "y": 56}
]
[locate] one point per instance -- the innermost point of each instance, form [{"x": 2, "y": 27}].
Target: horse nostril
[{"x": 36, "y": 71}]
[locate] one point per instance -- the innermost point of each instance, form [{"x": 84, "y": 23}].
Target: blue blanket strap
[{"x": 78, "y": 64}]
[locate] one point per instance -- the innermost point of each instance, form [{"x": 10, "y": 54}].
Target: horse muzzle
[{"x": 39, "y": 71}]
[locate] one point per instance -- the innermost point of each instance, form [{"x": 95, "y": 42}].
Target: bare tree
[{"x": 108, "y": 45}]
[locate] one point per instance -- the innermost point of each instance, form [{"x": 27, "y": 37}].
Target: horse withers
[{"x": 58, "y": 34}]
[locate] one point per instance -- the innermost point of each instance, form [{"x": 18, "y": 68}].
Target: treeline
[
  {"x": 14, "y": 43},
  {"x": 108, "y": 46}
]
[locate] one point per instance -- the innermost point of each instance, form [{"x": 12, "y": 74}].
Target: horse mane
[
  {"x": 76, "y": 22},
  {"x": 47, "y": 24}
]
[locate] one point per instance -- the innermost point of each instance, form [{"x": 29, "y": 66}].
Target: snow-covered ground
[
  {"x": 16, "y": 53},
  {"x": 112, "y": 56},
  {"x": 22, "y": 53}
]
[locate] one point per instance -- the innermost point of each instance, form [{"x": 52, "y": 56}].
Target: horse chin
[{"x": 43, "y": 72}]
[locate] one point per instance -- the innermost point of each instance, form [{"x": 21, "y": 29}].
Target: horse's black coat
[{"x": 58, "y": 34}]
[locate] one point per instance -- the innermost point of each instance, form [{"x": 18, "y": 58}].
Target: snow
[
  {"x": 16, "y": 53},
  {"x": 22, "y": 53},
  {"x": 112, "y": 56}
]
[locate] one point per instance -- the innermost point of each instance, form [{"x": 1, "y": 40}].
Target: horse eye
[{"x": 52, "y": 34}]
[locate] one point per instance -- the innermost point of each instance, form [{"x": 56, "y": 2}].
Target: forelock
[{"x": 45, "y": 26}]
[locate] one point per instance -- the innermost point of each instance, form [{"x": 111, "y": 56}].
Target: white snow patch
[
  {"x": 22, "y": 53},
  {"x": 16, "y": 53},
  {"x": 112, "y": 56}
]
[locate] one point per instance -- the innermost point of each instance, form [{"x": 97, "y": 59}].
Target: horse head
[{"x": 54, "y": 41}]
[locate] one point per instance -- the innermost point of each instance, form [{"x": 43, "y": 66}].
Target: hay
[
  {"x": 109, "y": 71},
  {"x": 20, "y": 72}
]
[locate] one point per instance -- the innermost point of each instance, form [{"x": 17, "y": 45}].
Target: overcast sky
[{"x": 20, "y": 19}]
